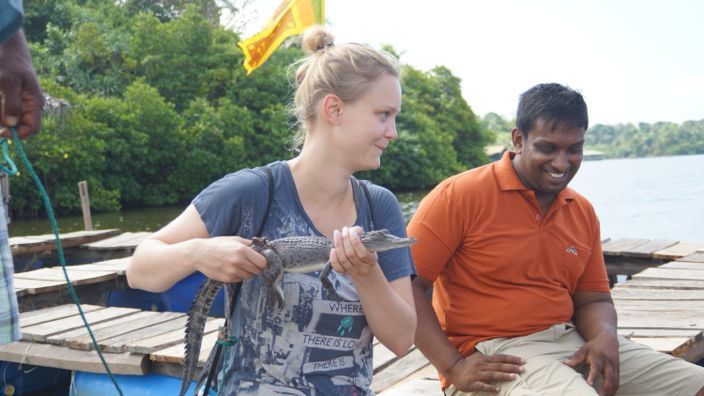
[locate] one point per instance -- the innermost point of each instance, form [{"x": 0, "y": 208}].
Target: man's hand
[
  {"x": 477, "y": 372},
  {"x": 601, "y": 354},
  {"x": 21, "y": 98}
]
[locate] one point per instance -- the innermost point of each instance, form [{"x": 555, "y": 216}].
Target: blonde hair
[{"x": 346, "y": 70}]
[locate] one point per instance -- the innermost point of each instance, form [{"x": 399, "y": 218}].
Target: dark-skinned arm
[
  {"x": 475, "y": 372},
  {"x": 596, "y": 320}
]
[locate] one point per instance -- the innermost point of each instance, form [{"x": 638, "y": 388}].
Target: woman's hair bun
[{"x": 316, "y": 39}]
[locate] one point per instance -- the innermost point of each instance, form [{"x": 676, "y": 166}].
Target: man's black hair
[{"x": 556, "y": 104}]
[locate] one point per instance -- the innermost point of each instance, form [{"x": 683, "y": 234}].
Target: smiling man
[{"x": 521, "y": 302}]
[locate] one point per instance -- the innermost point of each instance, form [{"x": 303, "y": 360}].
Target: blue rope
[{"x": 11, "y": 169}]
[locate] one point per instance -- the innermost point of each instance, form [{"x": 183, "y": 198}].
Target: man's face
[{"x": 549, "y": 157}]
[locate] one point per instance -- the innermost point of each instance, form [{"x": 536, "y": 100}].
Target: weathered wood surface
[
  {"x": 697, "y": 257},
  {"x": 671, "y": 273},
  {"x": 94, "y": 293},
  {"x": 41, "y": 331},
  {"x": 48, "y": 355},
  {"x": 617, "y": 247},
  {"x": 423, "y": 382},
  {"x": 679, "y": 250},
  {"x": 663, "y": 307},
  {"x": 46, "y": 280},
  {"x": 47, "y": 242},
  {"x": 56, "y": 337},
  {"x": 636, "y": 247},
  {"x": 124, "y": 241}
]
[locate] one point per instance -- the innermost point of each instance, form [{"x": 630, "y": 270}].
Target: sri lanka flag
[{"x": 291, "y": 18}]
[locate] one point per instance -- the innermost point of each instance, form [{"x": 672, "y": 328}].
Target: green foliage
[
  {"x": 500, "y": 127},
  {"x": 645, "y": 140},
  {"x": 439, "y": 134},
  {"x": 161, "y": 107}
]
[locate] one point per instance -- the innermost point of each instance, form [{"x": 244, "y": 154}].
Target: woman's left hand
[{"x": 349, "y": 256}]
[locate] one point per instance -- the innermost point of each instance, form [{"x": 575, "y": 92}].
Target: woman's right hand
[{"x": 226, "y": 259}]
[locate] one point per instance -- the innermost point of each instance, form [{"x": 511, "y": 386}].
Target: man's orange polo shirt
[{"x": 500, "y": 268}]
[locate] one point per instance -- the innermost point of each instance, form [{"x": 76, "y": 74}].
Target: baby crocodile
[{"x": 291, "y": 254}]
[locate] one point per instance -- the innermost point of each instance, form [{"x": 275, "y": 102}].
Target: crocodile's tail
[{"x": 195, "y": 327}]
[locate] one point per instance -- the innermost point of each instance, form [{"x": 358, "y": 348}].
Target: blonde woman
[{"x": 347, "y": 98}]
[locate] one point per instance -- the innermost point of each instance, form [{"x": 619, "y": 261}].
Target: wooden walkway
[{"x": 662, "y": 307}]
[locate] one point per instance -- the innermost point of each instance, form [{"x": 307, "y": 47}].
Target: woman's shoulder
[{"x": 249, "y": 179}]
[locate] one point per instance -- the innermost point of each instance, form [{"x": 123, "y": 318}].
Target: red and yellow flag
[{"x": 292, "y": 17}]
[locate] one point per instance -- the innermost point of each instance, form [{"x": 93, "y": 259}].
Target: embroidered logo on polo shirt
[{"x": 573, "y": 250}]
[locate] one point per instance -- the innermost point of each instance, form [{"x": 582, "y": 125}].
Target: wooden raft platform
[
  {"x": 118, "y": 246},
  {"x": 631, "y": 256},
  {"x": 47, "y": 243},
  {"x": 662, "y": 307},
  {"x": 48, "y": 287}
]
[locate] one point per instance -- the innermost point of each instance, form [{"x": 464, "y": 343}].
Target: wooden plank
[
  {"x": 647, "y": 249},
  {"x": 416, "y": 387},
  {"x": 164, "y": 340},
  {"x": 67, "y": 336},
  {"x": 31, "y": 286},
  {"x": 47, "y": 242},
  {"x": 106, "y": 334},
  {"x": 398, "y": 370},
  {"x": 127, "y": 240},
  {"x": 683, "y": 265},
  {"x": 696, "y": 257},
  {"x": 618, "y": 246},
  {"x": 120, "y": 343},
  {"x": 119, "y": 266},
  {"x": 631, "y": 293},
  {"x": 32, "y": 318},
  {"x": 664, "y": 344},
  {"x": 96, "y": 294},
  {"x": 43, "y": 330},
  {"x": 646, "y": 283},
  {"x": 56, "y": 274},
  {"x": 694, "y": 307},
  {"x": 670, "y": 273},
  {"x": 175, "y": 353},
  {"x": 663, "y": 320},
  {"x": 679, "y": 250},
  {"x": 423, "y": 382},
  {"x": 690, "y": 349},
  {"x": 382, "y": 357},
  {"x": 48, "y": 355},
  {"x": 654, "y": 333}
]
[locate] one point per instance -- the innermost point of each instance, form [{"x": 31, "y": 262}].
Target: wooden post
[{"x": 85, "y": 205}]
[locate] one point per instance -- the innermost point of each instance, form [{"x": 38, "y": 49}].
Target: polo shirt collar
[{"x": 508, "y": 180}]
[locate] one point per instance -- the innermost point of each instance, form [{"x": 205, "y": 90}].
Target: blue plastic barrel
[
  {"x": 91, "y": 384},
  {"x": 176, "y": 299},
  {"x": 29, "y": 379}
]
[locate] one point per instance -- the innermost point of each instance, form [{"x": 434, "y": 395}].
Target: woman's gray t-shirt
[{"x": 314, "y": 345}]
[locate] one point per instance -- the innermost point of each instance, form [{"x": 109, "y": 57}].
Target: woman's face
[{"x": 368, "y": 124}]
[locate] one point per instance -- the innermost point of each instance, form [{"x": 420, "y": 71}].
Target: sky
[{"x": 633, "y": 60}]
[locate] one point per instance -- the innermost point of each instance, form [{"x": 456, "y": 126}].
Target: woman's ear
[{"x": 332, "y": 108}]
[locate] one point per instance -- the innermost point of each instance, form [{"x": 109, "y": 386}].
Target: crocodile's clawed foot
[
  {"x": 331, "y": 290},
  {"x": 275, "y": 298}
]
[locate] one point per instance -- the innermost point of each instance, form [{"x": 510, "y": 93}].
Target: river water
[{"x": 651, "y": 198}]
